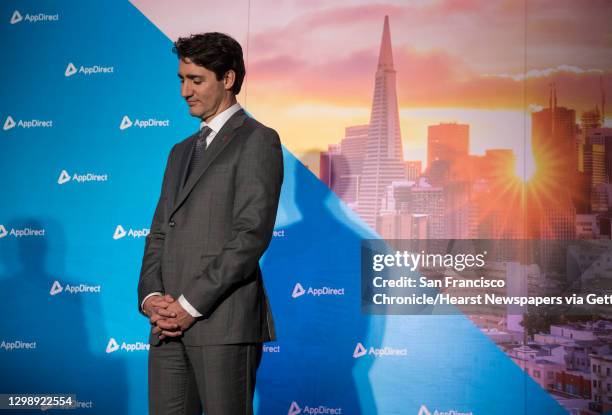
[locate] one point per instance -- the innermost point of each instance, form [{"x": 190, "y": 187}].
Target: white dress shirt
[{"x": 215, "y": 125}]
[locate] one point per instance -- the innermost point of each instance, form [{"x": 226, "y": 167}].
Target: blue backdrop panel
[{"x": 78, "y": 195}]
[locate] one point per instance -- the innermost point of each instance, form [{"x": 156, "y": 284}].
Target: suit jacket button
[{"x": 171, "y": 223}]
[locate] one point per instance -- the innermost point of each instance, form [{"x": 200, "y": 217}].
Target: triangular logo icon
[
  {"x": 16, "y": 18},
  {"x": 298, "y": 291},
  {"x": 70, "y": 69},
  {"x": 112, "y": 346},
  {"x": 119, "y": 232},
  {"x": 3, "y": 231},
  {"x": 9, "y": 123},
  {"x": 294, "y": 409},
  {"x": 359, "y": 351},
  {"x": 424, "y": 411},
  {"x": 56, "y": 288},
  {"x": 63, "y": 177},
  {"x": 125, "y": 123}
]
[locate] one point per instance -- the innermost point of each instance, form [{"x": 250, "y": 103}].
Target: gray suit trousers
[{"x": 215, "y": 379}]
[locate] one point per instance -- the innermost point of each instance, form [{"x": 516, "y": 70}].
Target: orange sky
[{"x": 311, "y": 63}]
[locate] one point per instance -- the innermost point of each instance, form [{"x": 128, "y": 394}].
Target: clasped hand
[{"x": 167, "y": 316}]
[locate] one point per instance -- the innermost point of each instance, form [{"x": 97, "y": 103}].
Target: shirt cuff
[
  {"x": 188, "y": 307},
  {"x": 145, "y": 299}
]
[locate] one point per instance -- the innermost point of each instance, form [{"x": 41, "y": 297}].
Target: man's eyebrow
[{"x": 190, "y": 76}]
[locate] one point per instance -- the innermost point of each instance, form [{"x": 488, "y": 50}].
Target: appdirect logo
[
  {"x": 57, "y": 288},
  {"x": 78, "y": 404},
  {"x": 17, "y": 345},
  {"x": 71, "y": 70},
  {"x": 10, "y": 123},
  {"x": 65, "y": 177},
  {"x": 299, "y": 291},
  {"x": 126, "y": 123},
  {"x": 424, "y": 411},
  {"x": 271, "y": 349},
  {"x": 278, "y": 233},
  {"x": 294, "y": 409},
  {"x": 16, "y": 18},
  {"x": 33, "y": 18},
  {"x": 114, "y": 346},
  {"x": 361, "y": 350},
  {"x": 121, "y": 233},
  {"x": 20, "y": 233}
]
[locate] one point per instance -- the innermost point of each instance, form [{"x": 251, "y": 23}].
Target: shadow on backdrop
[
  {"x": 320, "y": 249},
  {"x": 62, "y": 361}
]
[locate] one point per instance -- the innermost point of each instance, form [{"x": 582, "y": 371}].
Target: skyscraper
[
  {"x": 553, "y": 138},
  {"x": 602, "y": 136},
  {"x": 590, "y": 119},
  {"x": 553, "y": 132},
  {"x": 330, "y": 164},
  {"x": 430, "y": 201},
  {"x": 597, "y": 165},
  {"x": 352, "y": 145},
  {"x": 413, "y": 170},
  {"x": 447, "y": 141},
  {"x": 384, "y": 160}
]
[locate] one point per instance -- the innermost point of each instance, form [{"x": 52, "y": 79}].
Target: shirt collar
[{"x": 220, "y": 119}]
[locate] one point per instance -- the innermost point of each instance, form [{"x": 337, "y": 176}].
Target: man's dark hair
[{"x": 216, "y": 52}]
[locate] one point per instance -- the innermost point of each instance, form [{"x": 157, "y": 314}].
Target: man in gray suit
[{"x": 200, "y": 283}]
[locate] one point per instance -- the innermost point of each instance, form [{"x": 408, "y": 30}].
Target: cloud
[
  {"x": 424, "y": 79},
  {"x": 447, "y": 53},
  {"x": 542, "y": 73}
]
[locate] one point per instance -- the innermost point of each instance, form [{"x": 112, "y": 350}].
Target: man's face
[{"x": 201, "y": 89}]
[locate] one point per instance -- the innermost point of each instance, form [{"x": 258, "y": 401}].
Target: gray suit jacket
[{"x": 209, "y": 233}]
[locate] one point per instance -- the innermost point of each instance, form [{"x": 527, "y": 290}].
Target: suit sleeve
[
  {"x": 258, "y": 183},
  {"x": 150, "y": 273}
]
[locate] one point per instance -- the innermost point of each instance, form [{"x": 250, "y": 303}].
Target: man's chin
[{"x": 194, "y": 112}]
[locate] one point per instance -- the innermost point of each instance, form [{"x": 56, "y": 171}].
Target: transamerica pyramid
[{"x": 384, "y": 159}]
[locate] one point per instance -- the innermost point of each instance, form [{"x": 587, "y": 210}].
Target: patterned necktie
[{"x": 198, "y": 151}]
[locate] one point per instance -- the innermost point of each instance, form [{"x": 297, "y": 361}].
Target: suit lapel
[
  {"x": 221, "y": 140},
  {"x": 184, "y": 165}
]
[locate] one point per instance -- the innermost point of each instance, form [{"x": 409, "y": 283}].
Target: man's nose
[{"x": 186, "y": 90}]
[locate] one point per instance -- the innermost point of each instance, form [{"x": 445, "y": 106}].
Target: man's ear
[{"x": 228, "y": 79}]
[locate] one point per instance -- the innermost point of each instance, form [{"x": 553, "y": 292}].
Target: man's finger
[
  {"x": 172, "y": 333},
  {"x": 158, "y": 333},
  {"x": 155, "y": 317},
  {"x": 160, "y": 304},
  {"x": 165, "y": 313},
  {"x": 168, "y": 298},
  {"x": 167, "y": 324}
]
